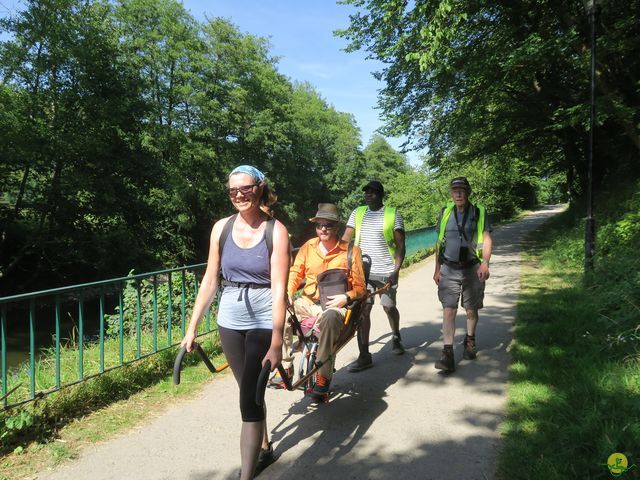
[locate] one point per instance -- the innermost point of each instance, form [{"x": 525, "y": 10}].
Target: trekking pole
[{"x": 203, "y": 356}]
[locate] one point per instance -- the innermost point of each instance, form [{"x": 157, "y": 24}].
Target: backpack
[{"x": 334, "y": 281}]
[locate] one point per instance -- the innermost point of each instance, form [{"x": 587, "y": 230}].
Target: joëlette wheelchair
[{"x": 307, "y": 345}]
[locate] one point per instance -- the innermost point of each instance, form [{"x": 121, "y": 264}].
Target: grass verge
[
  {"x": 61, "y": 424},
  {"x": 574, "y": 391}
]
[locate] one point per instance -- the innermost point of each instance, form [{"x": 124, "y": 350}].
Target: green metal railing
[
  {"x": 420, "y": 239},
  {"x": 133, "y": 316}
]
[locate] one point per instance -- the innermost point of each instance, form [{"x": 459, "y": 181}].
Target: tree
[
  {"x": 326, "y": 161},
  {"x": 70, "y": 155},
  {"x": 499, "y": 81},
  {"x": 120, "y": 122},
  {"x": 382, "y": 161}
]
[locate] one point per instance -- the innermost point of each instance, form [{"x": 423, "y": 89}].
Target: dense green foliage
[
  {"x": 120, "y": 122},
  {"x": 502, "y": 88},
  {"x": 575, "y": 375},
  {"x": 154, "y": 301}
]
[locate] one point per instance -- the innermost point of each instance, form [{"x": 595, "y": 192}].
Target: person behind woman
[{"x": 252, "y": 306}]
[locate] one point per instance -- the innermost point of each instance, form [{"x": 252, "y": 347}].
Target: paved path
[{"x": 400, "y": 419}]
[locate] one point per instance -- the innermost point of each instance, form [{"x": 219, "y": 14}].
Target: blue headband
[{"x": 249, "y": 170}]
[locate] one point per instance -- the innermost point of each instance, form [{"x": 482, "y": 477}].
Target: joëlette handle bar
[
  {"x": 263, "y": 378},
  {"x": 203, "y": 356},
  {"x": 386, "y": 286}
]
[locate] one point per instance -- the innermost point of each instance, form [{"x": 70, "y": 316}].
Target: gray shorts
[
  {"x": 454, "y": 282},
  {"x": 388, "y": 297}
]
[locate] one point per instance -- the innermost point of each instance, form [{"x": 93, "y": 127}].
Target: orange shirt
[{"x": 310, "y": 261}]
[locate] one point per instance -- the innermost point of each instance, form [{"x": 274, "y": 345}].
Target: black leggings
[{"x": 245, "y": 350}]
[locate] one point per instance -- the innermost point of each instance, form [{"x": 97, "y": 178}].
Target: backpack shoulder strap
[
  {"x": 349, "y": 258},
  {"x": 360, "y": 211},
  {"x": 268, "y": 235},
  {"x": 226, "y": 230},
  {"x": 228, "y": 227}
]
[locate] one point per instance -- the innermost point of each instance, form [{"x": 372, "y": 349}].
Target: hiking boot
[
  {"x": 320, "y": 390},
  {"x": 446, "y": 362},
  {"x": 363, "y": 362},
  {"x": 470, "y": 351},
  {"x": 265, "y": 458},
  {"x": 397, "y": 349},
  {"x": 276, "y": 380}
]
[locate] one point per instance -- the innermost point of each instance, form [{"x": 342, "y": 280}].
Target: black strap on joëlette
[{"x": 461, "y": 231}]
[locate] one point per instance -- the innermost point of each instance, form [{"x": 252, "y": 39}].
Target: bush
[{"x": 130, "y": 302}]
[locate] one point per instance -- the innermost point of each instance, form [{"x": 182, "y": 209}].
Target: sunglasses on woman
[{"x": 244, "y": 190}]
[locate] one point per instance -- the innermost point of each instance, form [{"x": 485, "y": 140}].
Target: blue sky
[{"x": 301, "y": 34}]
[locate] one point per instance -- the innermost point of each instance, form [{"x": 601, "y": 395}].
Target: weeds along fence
[{"x": 55, "y": 338}]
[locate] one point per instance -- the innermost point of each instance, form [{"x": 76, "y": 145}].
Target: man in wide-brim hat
[{"x": 317, "y": 255}]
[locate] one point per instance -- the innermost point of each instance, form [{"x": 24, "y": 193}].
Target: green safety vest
[
  {"x": 387, "y": 227},
  {"x": 480, "y": 215}
]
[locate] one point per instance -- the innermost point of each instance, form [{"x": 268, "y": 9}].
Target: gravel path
[{"x": 400, "y": 419}]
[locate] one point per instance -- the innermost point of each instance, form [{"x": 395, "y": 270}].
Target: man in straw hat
[{"x": 316, "y": 256}]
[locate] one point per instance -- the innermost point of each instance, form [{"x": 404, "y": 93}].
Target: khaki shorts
[
  {"x": 455, "y": 282},
  {"x": 388, "y": 297}
]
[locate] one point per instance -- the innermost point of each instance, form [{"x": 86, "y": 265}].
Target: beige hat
[{"x": 326, "y": 211}]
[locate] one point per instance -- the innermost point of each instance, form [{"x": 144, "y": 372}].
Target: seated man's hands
[{"x": 337, "y": 301}]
